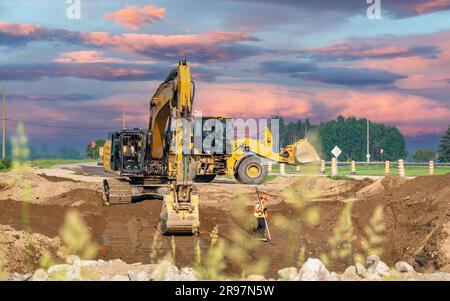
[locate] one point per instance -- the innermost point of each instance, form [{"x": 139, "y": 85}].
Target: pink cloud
[
  {"x": 430, "y": 6},
  {"x": 137, "y": 16},
  {"x": 204, "y": 47},
  {"x": 92, "y": 56}
]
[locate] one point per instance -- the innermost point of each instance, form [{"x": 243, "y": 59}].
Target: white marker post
[{"x": 336, "y": 152}]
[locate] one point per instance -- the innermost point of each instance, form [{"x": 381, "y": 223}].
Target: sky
[{"x": 249, "y": 58}]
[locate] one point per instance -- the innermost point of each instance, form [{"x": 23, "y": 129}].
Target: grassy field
[
  {"x": 365, "y": 170},
  {"x": 48, "y": 163}
]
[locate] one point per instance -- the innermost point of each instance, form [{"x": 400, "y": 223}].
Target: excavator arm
[{"x": 170, "y": 113}]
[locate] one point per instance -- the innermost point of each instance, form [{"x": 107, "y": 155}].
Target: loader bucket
[{"x": 305, "y": 153}]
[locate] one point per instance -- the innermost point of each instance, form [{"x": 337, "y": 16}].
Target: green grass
[
  {"x": 365, "y": 170},
  {"x": 48, "y": 163}
]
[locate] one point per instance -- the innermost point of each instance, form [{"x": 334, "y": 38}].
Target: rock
[
  {"x": 360, "y": 270},
  {"x": 58, "y": 271},
  {"x": 333, "y": 277},
  {"x": 288, "y": 274},
  {"x": 165, "y": 271},
  {"x": 188, "y": 274},
  {"x": 255, "y": 277},
  {"x": 313, "y": 270},
  {"x": 138, "y": 276},
  {"x": 39, "y": 275},
  {"x": 403, "y": 267},
  {"x": 350, "y": 274},
  {"x": 72, "y": 259},
  {"x": 89, "y": 263},
  {"x": 372, "y": 259},
  {"x": 115, "y": 278},
  {"x": 20, "y": 277},
  {"x": 379, "y": 268}
]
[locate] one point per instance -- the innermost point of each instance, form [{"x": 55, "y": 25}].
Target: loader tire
[{"x": 251, "y": 171}]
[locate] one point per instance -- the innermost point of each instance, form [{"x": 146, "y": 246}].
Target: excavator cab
[{"x": 127, "y": 149}]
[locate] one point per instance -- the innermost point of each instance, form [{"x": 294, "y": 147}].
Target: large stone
[
  {"x": 20, "y": 277},
  {"x": 255, "y": 277},
  {"x": 379, "y": 268},
  {"x": 115, "y": 278},
  {"x": 40, "y": 275},
  {"x": 350, "y": 274},
  {"x": 58, "y": 271},
  {"x": 403, "y": 267},
  {"x": 288, "y": 274},
  {"x": 165, "y": 271},
  {"x": 138, "y": 276},
  {"x": 188, "y": 274},
  {"x": 360, "y": 270},
  {"x": 313, "y": 270},
  {"x": 372, "y": 260}
]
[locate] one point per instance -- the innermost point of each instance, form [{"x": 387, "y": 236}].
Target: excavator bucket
[
  {"x": 179, "y": 218},
  {"x": 305, "y": 153}
]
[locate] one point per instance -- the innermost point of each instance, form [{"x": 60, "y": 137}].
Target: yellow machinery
[
  {"x": 162, "y": 161},
  {"x": 155, "y": 161},
  {"x": 247, "y": 161}
]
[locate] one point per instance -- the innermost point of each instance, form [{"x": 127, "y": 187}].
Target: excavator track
[{"x": 116, "y": 192}]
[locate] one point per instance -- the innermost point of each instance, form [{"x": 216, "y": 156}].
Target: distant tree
[
  {"x": 423, "y": 155},
  {"x": 68, "y": 153},
  {"x": 349, "y": 134},
  {"x": 444, "y": 147},
  {"x": 93, "y": 152}
]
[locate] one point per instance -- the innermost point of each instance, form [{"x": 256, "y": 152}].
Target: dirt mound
[
  {"x": 38, "y": 188},
  {"x": 413, "y": 211},
  {"x": 23, "y": 251},
  {"x": 379, "y": 186},
  {"x": 77, "y": 197},
  {"x": 55, "y": 179},
  {"x": 326, "y": 188}
]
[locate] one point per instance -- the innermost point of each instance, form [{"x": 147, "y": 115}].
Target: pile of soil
[
  {"x": 23, "y": 251},
  {"x": 414, "y": 211}
]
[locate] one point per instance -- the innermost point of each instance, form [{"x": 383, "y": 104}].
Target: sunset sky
[{"x": 250, "y": 58}]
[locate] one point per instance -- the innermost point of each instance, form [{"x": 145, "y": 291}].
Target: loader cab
[{"x": 127, "y": 149}]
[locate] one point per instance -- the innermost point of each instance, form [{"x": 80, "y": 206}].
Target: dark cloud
[
  {"x": 331, "y": 75},
  {"x": 351, "y": 76},
  {"x": 395, "y": 8},
  {"x": 286, "y": 67},
  {"x": 352, "y": 51},
  {"x": 64, "y": 97},
  {"x": 101, "y": 72}
]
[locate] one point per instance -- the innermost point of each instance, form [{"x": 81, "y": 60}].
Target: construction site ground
[{"x": 416, "y": 216}]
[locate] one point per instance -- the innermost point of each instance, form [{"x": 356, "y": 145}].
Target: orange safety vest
[{"x": 260, "y": 211}]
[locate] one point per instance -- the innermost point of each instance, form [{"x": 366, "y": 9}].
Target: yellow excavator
[
  {"x": 162, "y": 160},
  {"x": 155, "y": 161}
]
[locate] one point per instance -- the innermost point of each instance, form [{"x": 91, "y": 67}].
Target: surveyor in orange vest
[{"x": 261, "y": 215}]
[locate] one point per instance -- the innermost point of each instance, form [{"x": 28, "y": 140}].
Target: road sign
[
  {"x": 336, "y": 151},
  {"x": 368, "y": 156}
]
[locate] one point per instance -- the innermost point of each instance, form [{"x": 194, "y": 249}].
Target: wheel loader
[
  {"x": 161, "y": 162},
  {"x": 248, "y": 158}
]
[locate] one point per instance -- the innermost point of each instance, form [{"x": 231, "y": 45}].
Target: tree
[
  {"x": 444, "y": 147},
  {"x": 93, "y": 152},
  {"x": 423, "y": 155}
]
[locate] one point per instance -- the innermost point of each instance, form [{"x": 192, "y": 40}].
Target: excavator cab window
[{"x": 132, "y": 146}]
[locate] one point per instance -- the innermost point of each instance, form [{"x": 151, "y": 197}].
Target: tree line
[{"x": 350, "y": 135}]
